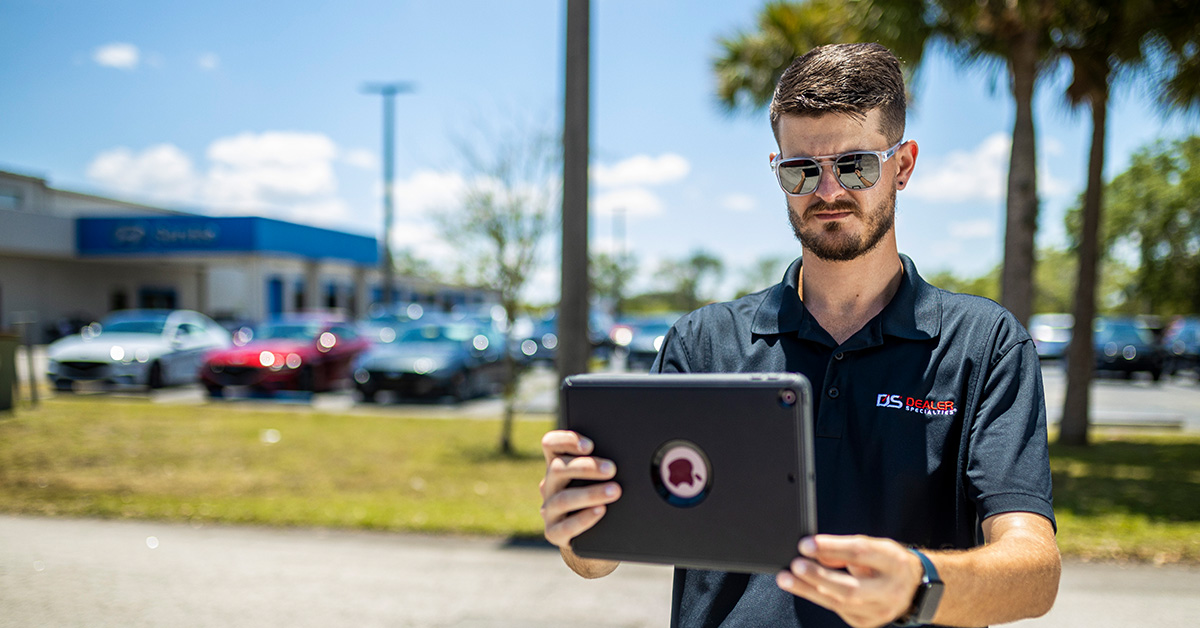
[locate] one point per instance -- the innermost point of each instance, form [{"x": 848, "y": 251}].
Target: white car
[{"x": 152, "y": 348}]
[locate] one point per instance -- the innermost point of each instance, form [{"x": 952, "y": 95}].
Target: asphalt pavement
[{"x": 95, "y": 573}]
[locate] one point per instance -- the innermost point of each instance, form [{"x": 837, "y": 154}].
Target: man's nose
[{"x": 828, "y": 188}]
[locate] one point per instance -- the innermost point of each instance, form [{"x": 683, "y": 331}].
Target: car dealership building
[{"x": 67, "y": 257}]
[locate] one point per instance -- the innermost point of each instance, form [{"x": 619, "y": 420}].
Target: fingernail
[
  {"x": 607, "y": 467},
  {"x": 599, "y": 510},
  {"x": 585, "y": 444},
  {"x": 610, "y": 490},
  {"x": 785, "y": 579},
  {"x": 808, "y": 547}
]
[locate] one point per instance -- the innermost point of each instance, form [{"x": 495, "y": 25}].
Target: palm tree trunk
[
  {"x": 1016, "y": 288},
  {"x": 1080, "y": 358}
]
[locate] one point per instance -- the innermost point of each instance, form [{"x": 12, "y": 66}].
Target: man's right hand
[{"x": 567, "y": 512}]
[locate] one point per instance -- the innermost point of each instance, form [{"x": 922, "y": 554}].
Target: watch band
[{"x": 927, "y": 597}]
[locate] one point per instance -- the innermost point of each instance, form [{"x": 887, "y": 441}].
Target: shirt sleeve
[
  {"x": 1008, "y": 468},
  {"x": 672, "y": 356}
]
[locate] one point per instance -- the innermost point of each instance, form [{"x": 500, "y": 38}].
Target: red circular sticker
[{"x": 681, "y": 473}]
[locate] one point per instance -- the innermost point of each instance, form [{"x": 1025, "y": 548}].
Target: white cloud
[
  {"x": 638, "y": 202},
  {"x": 273, "y": 168},
  {"x": 965, "y": 175},
  {"x": 117, "y": 55},
  {"x": 979, "y": 174},
  {"x": 642, "y": 170},
  {"x": 968, "y": 229},
  {"x": 209, "y": 61},
  {"x": 282, "y": 174},
  {"x": 739, "y": 202},
  {"x": 360, "y": 158},
  {"x": 428, "y": 190},
  {"x": 160, "y": 172}
]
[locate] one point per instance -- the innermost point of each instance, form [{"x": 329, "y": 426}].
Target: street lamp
[{"x": 388, "y": 91}]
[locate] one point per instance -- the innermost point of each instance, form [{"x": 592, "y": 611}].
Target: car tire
[
  {"x": 306, "y": 380},
  {"x": 368, "y": 394},
  {"x": 155, "y": 378},
  {"x": 460, "y": 387},
  {"x": 215, "y": 390},
  {"x": 64, "y": 385},
  {"x": 1156, "y": 374}
]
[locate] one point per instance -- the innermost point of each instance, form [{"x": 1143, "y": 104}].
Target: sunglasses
[{"x": 856, "y": 170}]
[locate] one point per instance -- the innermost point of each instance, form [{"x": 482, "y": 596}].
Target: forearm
[
  {"x": 1014, "y": 576},
  {"x": 587, "y": 567}
]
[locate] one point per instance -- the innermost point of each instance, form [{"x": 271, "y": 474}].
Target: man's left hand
[{"x": 867, "y": 581}]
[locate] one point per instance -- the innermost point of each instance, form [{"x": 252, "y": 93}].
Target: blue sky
[{"x": 256, "y": 108}]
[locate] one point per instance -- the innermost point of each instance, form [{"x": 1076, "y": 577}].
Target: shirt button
[
  {"x": 839, "y": 355},
  {"x": 833, "y": 393}
]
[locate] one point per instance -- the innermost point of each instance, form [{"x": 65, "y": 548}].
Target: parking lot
[{"x": 1136, "y": 403}]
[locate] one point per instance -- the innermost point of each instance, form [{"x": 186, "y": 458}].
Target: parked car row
[
  {"x": 404, "y": 351},
  {"x": 1124, "y": 345}
]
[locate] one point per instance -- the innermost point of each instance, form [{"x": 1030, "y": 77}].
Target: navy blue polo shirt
[{"x": 928, "y": 420}]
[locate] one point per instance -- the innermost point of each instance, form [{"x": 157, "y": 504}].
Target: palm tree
[
  {"x": 1012, "y": 32},
  {"x": 1107, "y": 40}
]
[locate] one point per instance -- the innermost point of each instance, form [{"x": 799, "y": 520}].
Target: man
[{"x": 929, "y": 412}]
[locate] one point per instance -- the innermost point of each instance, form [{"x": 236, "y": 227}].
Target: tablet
[{"x": 716, "y": 470}]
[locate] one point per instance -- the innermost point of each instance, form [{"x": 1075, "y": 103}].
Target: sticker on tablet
[{"x": 681, "y": 473}]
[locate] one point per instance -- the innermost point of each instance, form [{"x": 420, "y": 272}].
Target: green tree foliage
[
  {"x": 1152, "y": 211},
  {"x": 611, "y": 275},
  {"x": 687, "y": 284},
  {"x": 764, "y": 272}
]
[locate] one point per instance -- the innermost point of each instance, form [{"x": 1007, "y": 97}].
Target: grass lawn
[
  {"x": 121, "y": 458},
  {"x": 1128, "y": 497}
]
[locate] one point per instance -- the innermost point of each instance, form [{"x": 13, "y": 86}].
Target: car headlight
[
  {"x": 117, "y": 353},
  {"x": 422, "y": 366}
]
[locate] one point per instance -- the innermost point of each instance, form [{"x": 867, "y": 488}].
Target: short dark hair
[{"x": 850, "y": 79}]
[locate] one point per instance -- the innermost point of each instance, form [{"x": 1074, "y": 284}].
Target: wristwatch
[{"x": 926, "y": 599}]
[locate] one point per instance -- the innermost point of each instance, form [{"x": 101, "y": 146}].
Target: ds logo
[{"x": 889, "y": 401}]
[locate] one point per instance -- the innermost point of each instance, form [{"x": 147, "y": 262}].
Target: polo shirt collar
[{"x": 915, "y": 312}]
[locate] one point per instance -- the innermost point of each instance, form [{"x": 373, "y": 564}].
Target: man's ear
[{"x": 906, "y": 160}]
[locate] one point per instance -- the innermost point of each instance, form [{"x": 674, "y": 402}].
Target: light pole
[{"x": 388, "y": 91}]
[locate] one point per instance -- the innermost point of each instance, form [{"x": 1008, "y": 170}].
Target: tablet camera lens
[{"x": 787, "y": 397}]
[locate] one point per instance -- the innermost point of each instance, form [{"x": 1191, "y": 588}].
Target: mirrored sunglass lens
[
  {"x": 858, "y": 171},
  {"x": 800, "y": 176}
]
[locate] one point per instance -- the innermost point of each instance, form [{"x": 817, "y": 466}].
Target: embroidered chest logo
[{"x": 912, "y": 404}]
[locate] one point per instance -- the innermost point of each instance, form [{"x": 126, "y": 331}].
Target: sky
[{"x": 235, "y": 108}]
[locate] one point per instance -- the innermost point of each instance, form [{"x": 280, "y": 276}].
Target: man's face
[{"x": 833, "y": 223}]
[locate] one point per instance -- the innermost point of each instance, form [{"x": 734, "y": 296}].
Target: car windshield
[
  {"x": 288, "y": 331},
  {"x": 1122, "y": 334},
  {"x": 128, "y": 325},
  {"x": 438, "y": 333}
]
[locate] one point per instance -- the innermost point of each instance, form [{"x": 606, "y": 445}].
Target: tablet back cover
[{"x": 716, "y": 471}]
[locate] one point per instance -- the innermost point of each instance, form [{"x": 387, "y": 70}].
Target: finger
[
  {"x": 787, "y": 581},
  {"x": 563, "y": 469},
  {"x": 834, "y": 583},
  {"x": 858, "y": 551},
  {"x": 563, "y": 503},
  {"x": 563, "y": 532},
  {"x": 565, "y": 442}
]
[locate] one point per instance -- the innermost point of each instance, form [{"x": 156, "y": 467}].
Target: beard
[{"x": 832, "y": 242}]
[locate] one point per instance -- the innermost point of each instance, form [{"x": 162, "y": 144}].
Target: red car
[{"x": 311, "y": 353}]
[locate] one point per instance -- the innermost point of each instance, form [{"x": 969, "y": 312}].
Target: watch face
[{"x": 928, "y": 605}]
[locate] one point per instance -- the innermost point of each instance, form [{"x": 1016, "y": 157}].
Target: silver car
[{"x": 150, "y": 348}]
